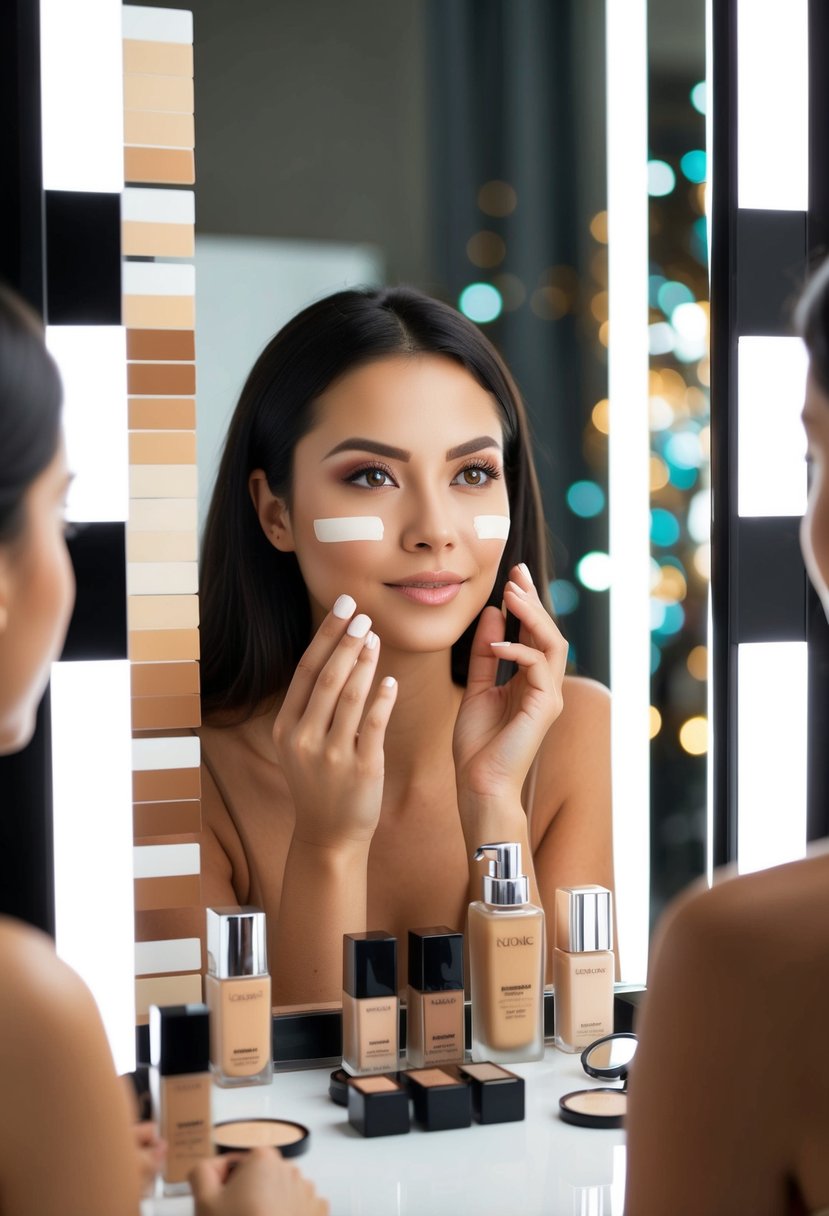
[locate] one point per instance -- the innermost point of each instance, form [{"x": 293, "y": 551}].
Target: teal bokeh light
[
  {"x": 699, "y": 97},
  {"x": 672, "y": 622},
  {"x": 694, "y": 165},
  {"x": 671, "y": 294},
  {"x": 585, "y": 499},
  {"x": 481, "y": 302},
  {"x": 664, "y": 528},
  {"x": 565, "y": 596}
]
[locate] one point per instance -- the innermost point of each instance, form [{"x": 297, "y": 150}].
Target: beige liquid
[
  {"x": 370, "y": 1039},
  {"x": 240, "y": 1027},
  {"x": 434, "y": 1033},
  {"x": 506, "y": 955},
  {"x": 182, "y": 1105},
  {"x": 583, "y": 997}
]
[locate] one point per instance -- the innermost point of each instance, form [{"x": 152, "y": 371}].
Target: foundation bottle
[
  {"x": 434, "y": 1004},
  {"x": 370, "y": 1006},
  {"x": 506, "y": 961},
  {"x": 237, "y": 989},
  {"x": 583, "y": 966},
  {"x": 181, "y": 1088}
]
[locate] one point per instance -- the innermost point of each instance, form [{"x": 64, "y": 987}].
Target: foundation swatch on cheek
[
  {"x": 348, "y": 527},
  {"x": 491, "y": 527}
]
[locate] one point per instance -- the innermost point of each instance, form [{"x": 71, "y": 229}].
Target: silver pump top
[
  {"x": 584, "y": 919},
  {"x": 504, "y": 885},
  {"x": 236, "y": 943}
]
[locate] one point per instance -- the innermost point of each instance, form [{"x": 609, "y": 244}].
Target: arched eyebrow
[{"x": 356, "y": 443}]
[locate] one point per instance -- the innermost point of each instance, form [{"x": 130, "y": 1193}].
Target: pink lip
[{"x": 429, "y": 587}]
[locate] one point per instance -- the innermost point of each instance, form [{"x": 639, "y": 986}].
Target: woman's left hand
[{"x": 499, "y": 729}]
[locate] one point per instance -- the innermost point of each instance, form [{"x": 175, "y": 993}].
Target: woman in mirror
[
  {"x": 375, "y": 547},
  {"x": 729, "y": 1095},
  {"x": 67, "y": 1146}
]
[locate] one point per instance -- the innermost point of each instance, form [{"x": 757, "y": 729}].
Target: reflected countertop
[{"x": 538, "y": 1166}]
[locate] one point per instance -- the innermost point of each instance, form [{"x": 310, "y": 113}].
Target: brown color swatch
[
  {"x": 157, "y": 240},
  {"x": 162, "y": 447},
  {"x": 160, "y": 785},
  {"x": 161, "y": 344},
  {"x": 170, "y": 94},
  {"x": 162, "y": 713},
  {"x": 161, "y": 379},
  {"x": 161, "y": 645},
  {"x": 156, "y": 129},
  {"x": 167, "y": 165},
  {"x": 179, "y": 891},
  {"x": 164, "y": 679},
  {"x": 165, "y": 924},
  {"x": 182, "y": 989},
  {"x": 159, "y": 312},
  {"x": 162, "y": 58},
  {"x": 166, "y": 819},
  {"x": 152, "y": 414}
]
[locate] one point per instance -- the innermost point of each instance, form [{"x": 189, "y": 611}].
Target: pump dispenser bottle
[
  {"x": 583, "y": 966},
  {"x": 506, "y": 960},
  {"x": 237, "y": 989}
]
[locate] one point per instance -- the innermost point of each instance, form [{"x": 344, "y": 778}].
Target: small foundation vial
[
  {"x": 506, "y": 962},
  {"x": 370, "y": 1005},
  {"x": 181, "y": 1089},
  {"x": 237, "y": 990},
  {"x": 434, "y": 1003},
  {"x": 583, "y": 966}
]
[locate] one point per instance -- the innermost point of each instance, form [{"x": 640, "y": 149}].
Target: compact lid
[
  {"x": 180, "y": 1039},
  {"x": 584, "y": 919},
  {"x": 236, "y": 942},
  {"x": 504, "y": 885},
  {"x": 370, "y": 964},
  {"x": 435, "y": 959}
]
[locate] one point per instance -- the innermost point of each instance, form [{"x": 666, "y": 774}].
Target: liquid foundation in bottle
[
  {"x": 583, "y": 966},
  {"x": 506, "y": 961},
  {"x": 181, "y": 1089},
  {"x": 237, "y": 989},
  {"x": 370, "y": 1006},
  {"x": 434, "y": 1004}
]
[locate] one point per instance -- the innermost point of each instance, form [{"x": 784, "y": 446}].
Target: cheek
[{"x": 814, "y": 532}]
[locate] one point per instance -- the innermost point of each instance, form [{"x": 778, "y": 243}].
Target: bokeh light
[
  {"x": 671, "y": 294},
  {"x": 699, "y": 516},
  {"x": 565, "y": 596},
  {"x": 672, "y": 620},
  {"x": 481, "y": 302},
  {"x": 661, "y": 415},
  {"x": 693, "y": 165},
  {"x": 702, "y": 561},
  {"x": 697, "y": 662},
  {"x": 585, "y": 499},
  {"x": 593, "y": 571},
  {"x": 486, "y": 249},
  {"x": 659, "y": 474},
  {"x": 683, "y": 450},
  {"x": 655, "y": 722},
  {"x": 598, "y": 227},
  {"x": 665, "y": 530},
  {"x": 693, "y": 736},
  {"x": 661, "y": 178},
  {"x": 497, "y": 198},
  {"x": 660, "y": 338},
  {"x": 699, "y": 97},
  {"x": 600, "y": 416}
]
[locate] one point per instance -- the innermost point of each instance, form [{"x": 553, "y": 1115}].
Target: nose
[{"x": 429, "y": 526}]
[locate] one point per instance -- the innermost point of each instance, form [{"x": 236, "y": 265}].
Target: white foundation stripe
[
  {"x": 159, "y": 279},
  {"x": 165, "y": 860},
  {"x": 163, "y": 514},
  {"x": 162, "y": 578},
  {"x": 163, "y": 481},
  {"x": 158, "y": 206},
  {"x": 151, "y": 755},
  {"x": 162, "y": 957},
  {"x": 156, "y": 24},
  {"x": 349, "y": 527},
  {"x": 491, "y": 527}
]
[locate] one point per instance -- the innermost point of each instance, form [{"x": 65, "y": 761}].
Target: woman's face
[
  {"x": 37, "y": 590},
  {"x": 814, "y": 530},
  {"x": 415, "y": 443}
]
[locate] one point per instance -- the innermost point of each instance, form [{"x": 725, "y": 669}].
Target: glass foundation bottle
[
  {"x": 583, "y": 966},
  {"x": 506, "y": 961},
  {"x": 434, "y": 1001},
  {"x": 370, "y": 1005},
  {"x": 237, "y": 989},
  {"x": 181, "y": 1089}
]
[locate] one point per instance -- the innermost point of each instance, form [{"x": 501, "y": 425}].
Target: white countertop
[{"x": 539, "y": 1166}]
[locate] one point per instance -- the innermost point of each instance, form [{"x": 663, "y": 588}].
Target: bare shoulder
[
  {"x": 579, "y": 739},
  {"x": 38, "y": 989}
]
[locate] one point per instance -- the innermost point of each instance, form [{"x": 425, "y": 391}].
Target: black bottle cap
[
  {"x": 180, "y": 1039},
  {"x": 435, "y": 959},
  {"x": 370, "y": 964}
]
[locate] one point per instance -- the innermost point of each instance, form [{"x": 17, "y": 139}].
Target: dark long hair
[
  {"x": 812, "y": 323},
  {"x": 30, "y": 400},
  {"x": 255, "y": 613}
]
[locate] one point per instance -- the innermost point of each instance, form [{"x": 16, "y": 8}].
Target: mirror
[
  {"x": 607, "y": 1059},
  {"x": 610, "y": 1057}
]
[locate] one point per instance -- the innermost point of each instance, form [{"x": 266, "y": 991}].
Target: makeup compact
[
  {"x": 338, "y": 1086},
  {"x": 241, "y": 1135},
  {"x": 441, "y": 1101},
  {"x": 607, "y": 1059},
  {"x": 378, "y": 1105},
  {"x": 497, "y": 1094}
]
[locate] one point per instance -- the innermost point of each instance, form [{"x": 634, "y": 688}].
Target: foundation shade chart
[
  {"x": 154, "y": 957},
  {"x": 159, "y": 165},
  {"x": 378, "y": 1106},
  {"x": 163, "y": 612},
  {"x": 161, "y": 379},
  {"x": 161, "y": 345},
  {"x": 441, "y": 1100},
  {"x": 163, "y": 645},
  {"x": 162, "y": 547},
  {"x": 157, "y": 223},
  {"x": 241, "y": 1135},
  {"x": 145, "y": 57},
  {"x": 163, "y": 481},
  {"x": 152, "y": 820},
  {"x": 159, "y": 295},
  {"x": 161, "y": 413},
  {"x": 162, "y": 578},
  {"x": 163, "y": 515},
  {"x": 154, "y": 894},
  {"x": 164, "y": 679},
  {"x": 497, "y": 1094}
]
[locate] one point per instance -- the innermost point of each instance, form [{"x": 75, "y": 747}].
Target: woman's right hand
[
  {"x": 258, "y": 1183},
  {"x": 329, "y": 735}
]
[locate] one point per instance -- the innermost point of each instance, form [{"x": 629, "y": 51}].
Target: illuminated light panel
[
  {"x": 771, "y": 754},
  {"x": 628, "y": 465},
  {"x": 82, "y": 95},
  {"x": 92, "y": 360},
  {"x": 771, "y": 445},
  {"x": 92, "y": 799},
  {"x": 773, "y": 105}
]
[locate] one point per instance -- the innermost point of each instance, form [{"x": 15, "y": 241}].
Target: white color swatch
[
  {"x": 348, "y": 527},
  {"x": 491, "y": 527}
]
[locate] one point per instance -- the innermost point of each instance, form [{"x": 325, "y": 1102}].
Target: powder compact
[
  {"x": 607, "y": 1059},
  {"x": 241, "y": 1135}
]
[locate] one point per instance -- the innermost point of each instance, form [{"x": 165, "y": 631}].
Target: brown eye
[
  {"x": 473, "y": 477},
  {"x": 375, "y": 477}
]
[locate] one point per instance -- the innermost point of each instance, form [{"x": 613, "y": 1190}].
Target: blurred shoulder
[{"x": 41, "y": 998}]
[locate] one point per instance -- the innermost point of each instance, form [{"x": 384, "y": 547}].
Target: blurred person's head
[{"x": 36, "y": 580}]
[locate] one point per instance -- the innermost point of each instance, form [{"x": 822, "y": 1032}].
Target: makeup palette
[{"x": 241, "y": 1135}]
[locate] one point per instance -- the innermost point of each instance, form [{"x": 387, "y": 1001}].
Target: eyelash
[{"x": 485, "y": 466}]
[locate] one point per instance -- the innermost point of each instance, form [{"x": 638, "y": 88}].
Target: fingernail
[
  {"x": 359, "y": 627},
  {"x": 344, "y": 607},
  {"x": 388, "y": 681},
  {"x": 371, "y": 640},
  {"x": 500, "y": 643},
  {"x": 525, "y": 570},
  {"x": 519, "y": 591}
]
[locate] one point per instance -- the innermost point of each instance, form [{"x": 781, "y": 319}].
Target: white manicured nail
[
  {"x": 500, "y": 643},
  {"x": 524, "y": 568},
  {"x": 388, "y": 681},
  {"x": 360, "y": 626},
  {"x": 371, "y": 640},
  {"x": 343, "y": 607}
]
